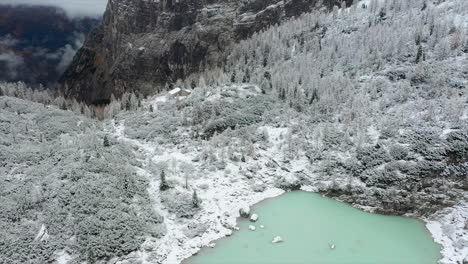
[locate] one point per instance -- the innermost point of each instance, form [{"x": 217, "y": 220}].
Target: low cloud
[
  {"x": 74, "y": 8},
  {"x": 68, "y": 52},
  {"x": 8, "y": 41},
  {"x": 12, "y": 62}
]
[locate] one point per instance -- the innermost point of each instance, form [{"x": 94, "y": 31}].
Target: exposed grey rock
[
  {"x": 244, "y": 212},
  {"x": 142, "y": 45}
]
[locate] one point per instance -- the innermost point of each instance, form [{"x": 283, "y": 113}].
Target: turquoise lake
[{"x": 311, "y": 226}]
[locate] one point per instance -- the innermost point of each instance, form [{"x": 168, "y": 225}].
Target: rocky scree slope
[{"x": 142, "y": 44}]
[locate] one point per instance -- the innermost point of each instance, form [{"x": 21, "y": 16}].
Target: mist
[{"x": 74, "y": 8}]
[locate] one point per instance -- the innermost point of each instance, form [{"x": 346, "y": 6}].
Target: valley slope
[
  {"x": 366, "y": 104},
  {"x": 141, "y": 46}
]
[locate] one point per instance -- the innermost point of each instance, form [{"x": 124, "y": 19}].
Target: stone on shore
[
  {"x": 244, "y": 212},
  {"x": 254, "y": 218}
]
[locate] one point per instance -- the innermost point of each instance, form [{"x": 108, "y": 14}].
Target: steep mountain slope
[
  {"x": 143, "y": 45},
  {"x": 367, "y": 104},
  {"x": 62, "y": 191},
  {"x": 37, "y": 43}
]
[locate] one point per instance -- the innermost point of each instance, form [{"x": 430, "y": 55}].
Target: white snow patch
[
  {"x": 42, "y": 235},
  {"x": 174, "y": 91},
  {"x": 63, "y": 257},
  {"x": 448, "y": 229}
]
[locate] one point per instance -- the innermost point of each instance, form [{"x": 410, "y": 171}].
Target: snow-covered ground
[
  {"x": 225, "y": 192},
  {"x": 224, "y": 196},
  {"x": 449, "y": 228}
]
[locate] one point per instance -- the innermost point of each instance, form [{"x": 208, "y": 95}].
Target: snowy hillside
[
  {"x": 368, "y": 105},
  {"x": 62, "y": 190}
]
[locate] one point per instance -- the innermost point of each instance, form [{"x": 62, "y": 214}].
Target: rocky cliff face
[{"x": 143, "y": 44}]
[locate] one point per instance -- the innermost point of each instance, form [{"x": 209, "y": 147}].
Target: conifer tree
[
  {"x": 314, "y": 96},
  {"x": 233, "y": 76},
  {"x": 128, "y": 105},
  {"x": 106, "y": 141},
  {"x": 163, "y": 185},
  {"x": 243, "y": 158},
  {"x": 246, "y": 78},
  {"x": 419, "y": 55},
  {"x": 195, "y": 200}
]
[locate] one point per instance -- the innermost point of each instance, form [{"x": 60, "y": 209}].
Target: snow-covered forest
[
  {"x": 58, "y": 173},
  {"x": 367, "y": 104}
]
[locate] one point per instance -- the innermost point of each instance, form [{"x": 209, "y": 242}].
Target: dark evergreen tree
[
  {"x": 106, "y": 141},
  {"x": 151, "y": 108},
  {"x": 195, "y": 200},
  {"x": 128, "y": 104},
  {"x": 246, "y": 78},
  {"x": 233, "y": 76},
  {"x": 163, "y": 185},
  {"x": 314, "y": 97},
  {"x": 419, "y": 54},
  {"x": 418, "y": 40}
]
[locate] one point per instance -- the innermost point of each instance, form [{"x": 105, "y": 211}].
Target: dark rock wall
[{"x": 143, "y": 44}]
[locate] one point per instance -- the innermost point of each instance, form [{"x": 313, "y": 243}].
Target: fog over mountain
[
  {"x": 74, "y": 8},
  {"x": 38, "y": 42}
]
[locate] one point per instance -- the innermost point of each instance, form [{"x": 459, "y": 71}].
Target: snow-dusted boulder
[
  {"x": 244, "y": 212},
  {"x": 277, "y": 239},
  {"x": 42, "y": 235},
  {"x": 251, "y": 227},
  {"x": 254, "y": 217}
]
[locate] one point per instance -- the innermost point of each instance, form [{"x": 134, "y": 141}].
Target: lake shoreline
[
  {"x": 224, "y": 194},
  {"x": 245, "y": 222},
  {"x": 432, "y": 225}
]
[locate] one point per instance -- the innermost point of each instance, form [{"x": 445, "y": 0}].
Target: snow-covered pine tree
[
  {"x": 163, "y": 184},
  {"x": 106, "y": 142},
  {"x": 195, "y": 199}
]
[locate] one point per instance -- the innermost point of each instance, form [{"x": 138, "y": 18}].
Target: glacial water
[{"x": 322, "y": 231}]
